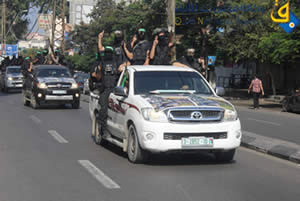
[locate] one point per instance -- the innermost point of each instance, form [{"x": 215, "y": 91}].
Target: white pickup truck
[{"x": 156, "y": 109}]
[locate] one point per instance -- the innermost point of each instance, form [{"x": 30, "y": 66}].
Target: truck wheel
[
  {"x": 76, "y": 105},
  {"x": 34, "y": 104},
  {"x": 135, "y": 153},
  {"x": 98, "y": 135},
  {"x": 285, "y": 106},
  {"x": 25, "y": 101},
  {"x": 225, "y": 156},
  {"x": 5, "y": 89}
]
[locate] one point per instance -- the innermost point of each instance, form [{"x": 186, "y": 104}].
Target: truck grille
[
  {"x": 179, "y": 136},
  {"x": 195, "y": 114},
  {"x": 17, "y": 78},
  {"x": 59, "y": 85}
]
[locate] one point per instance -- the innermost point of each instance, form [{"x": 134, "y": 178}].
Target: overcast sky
[{"x": 32, "y": 15}]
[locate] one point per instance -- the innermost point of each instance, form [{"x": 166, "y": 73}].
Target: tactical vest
[
  {"x": 119, "y": 55},
  {"x": 140, "y": 51},
  {"x": 109, "y": 73},
  {"x": 161, "y": 56}
]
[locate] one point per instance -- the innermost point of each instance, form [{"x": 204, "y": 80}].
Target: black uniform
[
  {"x": 140, "y": 52},
  {"x": 109, "y": 72},
  {"x": 162, "y": 49},
  {"x": 191, "y": 62}
]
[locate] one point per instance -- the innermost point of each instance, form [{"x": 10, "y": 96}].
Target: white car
[
  {"x": 158, "y": 109},
  {"x": 11, "y": 79}
]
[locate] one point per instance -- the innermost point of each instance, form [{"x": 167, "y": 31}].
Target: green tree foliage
[
  {"x": 14, "y": 20},
  {"x": 253, "y": 35}
]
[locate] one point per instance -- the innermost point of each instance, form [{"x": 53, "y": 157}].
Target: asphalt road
[
  {"x": 274, "y": 124},
  {"x": 48, "y": 155}
]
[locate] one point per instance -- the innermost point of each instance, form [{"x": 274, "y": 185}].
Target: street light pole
[
  {"x": 3, "y": 30},
  {"x": 171, "y": 24}
]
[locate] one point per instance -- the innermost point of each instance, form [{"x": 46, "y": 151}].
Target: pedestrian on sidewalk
[{"x": 256, "y": 88}]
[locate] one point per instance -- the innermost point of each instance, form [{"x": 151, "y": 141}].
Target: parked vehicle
[
  {"x": 156, "y": 109},
  {"x": 50, "y": 84},
  {"x": 291, "y": 103},
  {"x": 81, "y": 79},
  {"x": 11, "y": 79}
]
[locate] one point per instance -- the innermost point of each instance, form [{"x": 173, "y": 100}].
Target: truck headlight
[
  {"x": 10, "y": 78},
  {"x": 149, "y": 114},
  {"x": 42, "y": 86},
  {"x": 230, "y": 115},
  {"x": 74, "y": 86}
]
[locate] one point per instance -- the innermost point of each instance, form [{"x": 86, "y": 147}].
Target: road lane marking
[
  {"x": 186, "y": 194},
  {"x": 266, "y": 122},
  {"x": 57, "y": 137},
  {"x": 35, "y": 119},
  {"x": 98, "y": 174}
]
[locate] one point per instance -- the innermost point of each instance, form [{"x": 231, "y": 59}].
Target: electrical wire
[{"x": 37, "y": 21}]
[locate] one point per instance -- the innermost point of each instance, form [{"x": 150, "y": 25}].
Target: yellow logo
[{"x": 283, "y": 12}]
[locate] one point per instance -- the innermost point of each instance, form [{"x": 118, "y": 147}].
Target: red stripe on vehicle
[{"x": 130, "y": 105}]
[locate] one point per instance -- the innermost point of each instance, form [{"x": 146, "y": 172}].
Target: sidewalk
[
  {"x": 264, "y": 103},
  {"x": 241, "y": 98}
]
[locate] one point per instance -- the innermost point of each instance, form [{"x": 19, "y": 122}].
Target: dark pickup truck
[{"x": 50, "y": 84}]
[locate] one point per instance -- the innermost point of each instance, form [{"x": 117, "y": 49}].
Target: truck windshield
[
  {"x": 169, "y": 82},
  {"x": 53, "y": 73},
  {"x": 13, "y": 70}
]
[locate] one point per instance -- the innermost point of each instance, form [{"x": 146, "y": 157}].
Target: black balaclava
[
  {"x": 141, "y": 34},
  {"x": 108, "y": 53},
  {"x": 163, "y": 40},
  {"x": 118, "y": 38},
  {"x": 190, "y": 55}
]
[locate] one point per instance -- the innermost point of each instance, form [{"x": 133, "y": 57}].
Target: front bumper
[
  {"x": 59, "y": 96},
  {"x": 159, "y": 143},
  {"x": 14, "y": 84}
]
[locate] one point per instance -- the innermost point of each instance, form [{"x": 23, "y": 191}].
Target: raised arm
[
  {"x": 155, "y": 42},
  {"x": 127, "y": 52},
  {"x": 100, "y": 46}
]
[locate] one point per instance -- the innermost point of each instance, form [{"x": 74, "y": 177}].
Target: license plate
[
  {"x": 197, "y": 142},
  {"x": 59, "y": 92}
]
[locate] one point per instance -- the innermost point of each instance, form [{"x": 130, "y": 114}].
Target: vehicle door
[
  {"x": 122, "y": 105},
  {"x": 113, "y": 110}
]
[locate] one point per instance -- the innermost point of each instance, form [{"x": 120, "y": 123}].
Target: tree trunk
[{"x": 273, "y": 82}]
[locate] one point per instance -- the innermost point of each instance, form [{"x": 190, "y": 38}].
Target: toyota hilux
[
  {"x": 155, "y": 109},
  {"x": 11, "y": 78},
  {"x": 50, "y": 84}
]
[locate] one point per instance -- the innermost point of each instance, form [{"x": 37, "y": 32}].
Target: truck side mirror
[{"x": 120, "y": 91}]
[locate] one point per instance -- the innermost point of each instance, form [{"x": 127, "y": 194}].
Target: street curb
[{"x": 275, "y": 147}]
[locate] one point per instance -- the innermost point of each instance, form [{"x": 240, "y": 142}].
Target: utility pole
[
  {"x": 58, "y": 25},
  {"x": 3, "y": 28},
  {"x": 171, "y": 4}
]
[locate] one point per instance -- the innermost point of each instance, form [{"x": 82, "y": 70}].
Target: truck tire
[
  {"x": 76, "y": 105},
  {"x": 285, "y": 106},
  {"x": 34, "y": 104},
  {"x": 134, "y": 151},
  {"x": 98, "y": 136},
  {"x": 225, "y": 156}
]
